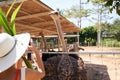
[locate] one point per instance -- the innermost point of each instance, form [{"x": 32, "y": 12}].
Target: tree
[
  {"x": 113, "y": 28},
  {"x": 117, "y": 36},
  {"x": 88, "y": 34},
  {"x": 112, "y": 4},
  {"x": 102, "y": 17},
  {"x": 77, "y": 13},
  {"x": 116, "y": 29}
]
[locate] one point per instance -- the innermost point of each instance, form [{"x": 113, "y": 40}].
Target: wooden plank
[
  {"x": 48, "y": 22},
  {"x": 35, "y": 28},
  {"x": 31, "y": 16}
]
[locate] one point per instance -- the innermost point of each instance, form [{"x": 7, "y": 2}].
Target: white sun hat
[{"x": 12, "y": 48}]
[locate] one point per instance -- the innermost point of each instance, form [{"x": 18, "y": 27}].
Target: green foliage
[
  {"x": 27, "y": 63},
  {"x": 88, "y": 34},
  {"x": 110, "y": 42},
  {"x": 4, "y": 23},
  {"x": 113, "y": 28},
  {"x": 117, "y": 36},
  {"x": 75, "y": 12},
  {"x": 9, "y": 26},
  {"x": 116, "y": 24},
  {"x": 10, "y": 9},
  {"x": 13, "y": 18},
  {"x": 109, "y": 3},
  {"x": 112, "y": 4}
]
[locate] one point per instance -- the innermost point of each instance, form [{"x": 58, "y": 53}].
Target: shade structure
[{"x": 33, "y": 17}]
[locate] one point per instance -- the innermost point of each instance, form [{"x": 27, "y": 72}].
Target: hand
[{"x": 31, "y": 45}]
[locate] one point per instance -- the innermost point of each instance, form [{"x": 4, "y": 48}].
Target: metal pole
[
  {"x": 99, "y": 26},
  {"x": 78, "y": 38},
  {"x": 80, "y": 15}
]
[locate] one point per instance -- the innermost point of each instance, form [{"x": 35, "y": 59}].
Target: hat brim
[{"x": 22, "y": 41}]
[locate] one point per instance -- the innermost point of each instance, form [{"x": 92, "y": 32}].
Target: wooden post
[{"x": 44, "y": 44}]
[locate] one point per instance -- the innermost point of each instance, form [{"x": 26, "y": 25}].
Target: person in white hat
[{"x": 12, "y": 48}]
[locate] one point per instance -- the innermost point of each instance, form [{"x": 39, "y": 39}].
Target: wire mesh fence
[
  {"x": 99, "y": 65},
  {"x": 108, "y": 63}
]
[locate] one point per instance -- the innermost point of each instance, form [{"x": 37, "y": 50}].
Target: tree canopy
[
  {"x": 88, "y": 34},
  {"x": 113, "y": 28},
  {"x": 77, "y": 13},
  {"x": 112, "y": 4}
]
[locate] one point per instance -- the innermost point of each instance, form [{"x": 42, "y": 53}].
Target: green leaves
[
  {"x": 29, "y": 65},
  {"x": 113, "y": 5},
  {"x": 76, "y": 12},
  {"x": 13, "y": 19},
  {"x": 109, "y": 3},
  {"x": 4, "y": 23},
  {"x": 9, "y": 26},
  {"x": 10, "y": 9}
]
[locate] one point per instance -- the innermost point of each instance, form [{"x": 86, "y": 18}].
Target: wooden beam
[
  {"x": 24, "y": 12},
  {"x": 31, "y": 16},
  {"x": 48, "y": 22},
  {"x": 14, "y": 7},
  {"x": 35, "y": 28}
]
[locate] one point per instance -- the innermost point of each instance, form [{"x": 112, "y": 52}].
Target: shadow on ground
[{"x": 96, "y": 72}]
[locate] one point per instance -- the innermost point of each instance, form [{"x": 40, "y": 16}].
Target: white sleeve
[{"x": 22, "y": 73}]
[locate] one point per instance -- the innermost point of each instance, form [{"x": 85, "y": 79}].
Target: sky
[{"x": 67, "y": 4}]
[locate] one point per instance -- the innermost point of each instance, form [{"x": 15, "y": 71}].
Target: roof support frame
[
  {"x": 31, "y": 16},
  {"x": 35, "y": 28}
]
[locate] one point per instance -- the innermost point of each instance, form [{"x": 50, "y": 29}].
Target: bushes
[{"x": 110, "y": 42}]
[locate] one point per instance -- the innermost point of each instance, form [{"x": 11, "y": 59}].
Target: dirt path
[
  {"x": 105, "y": 64},
  {"x": 104, "y": 49}
]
